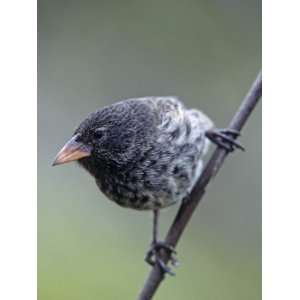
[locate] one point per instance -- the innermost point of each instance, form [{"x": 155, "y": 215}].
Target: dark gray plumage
[{"x": 146, "y": 152}]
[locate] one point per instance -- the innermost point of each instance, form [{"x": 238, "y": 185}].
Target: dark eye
[{"x": 98, "y": 133}]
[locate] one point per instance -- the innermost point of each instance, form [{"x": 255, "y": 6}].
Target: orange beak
[{"x": 71, "y": 151}]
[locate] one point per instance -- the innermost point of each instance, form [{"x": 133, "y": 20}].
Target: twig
[{"x": 188, "y": 207}]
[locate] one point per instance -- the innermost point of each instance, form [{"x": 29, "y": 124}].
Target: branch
[{"x": 188, "y": 207}]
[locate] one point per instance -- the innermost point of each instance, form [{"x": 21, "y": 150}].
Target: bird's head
[{"x": 106, "y": 138}]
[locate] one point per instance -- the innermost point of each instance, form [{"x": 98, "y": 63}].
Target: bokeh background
[{"x": 93, "y": 53}]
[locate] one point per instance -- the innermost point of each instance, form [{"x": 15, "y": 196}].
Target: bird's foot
[
  {"x": 153, "y": 256},
  {"x": 225, "y": 138}
]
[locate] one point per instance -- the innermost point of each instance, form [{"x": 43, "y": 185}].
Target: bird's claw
[
  {"x": 225, "y": 138},
  {"x": 153, "y": 256}
]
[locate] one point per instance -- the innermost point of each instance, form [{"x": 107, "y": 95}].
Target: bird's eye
[{"x": 98, "y": 133}]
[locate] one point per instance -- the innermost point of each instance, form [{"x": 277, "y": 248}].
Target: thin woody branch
[{"x": 188, "y": 207}]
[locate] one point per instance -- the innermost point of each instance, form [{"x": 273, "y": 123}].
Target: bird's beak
[{"x": 71, "y": 151}]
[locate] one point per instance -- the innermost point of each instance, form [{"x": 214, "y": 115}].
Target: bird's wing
[
  {"x": 164, "y": 110},
  {"x": 173, "y": 114},
  {"x": 170, "y": 110},
  {"x": 172, "y": 117}
]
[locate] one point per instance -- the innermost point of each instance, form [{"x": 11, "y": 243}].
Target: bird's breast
[{"x": 162, "y": 178}]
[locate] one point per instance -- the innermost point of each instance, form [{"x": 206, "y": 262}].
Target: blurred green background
[{"x": 92, "y": 53}]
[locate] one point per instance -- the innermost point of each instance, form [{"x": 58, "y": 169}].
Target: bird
[{"x": 145, "y": 154}]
